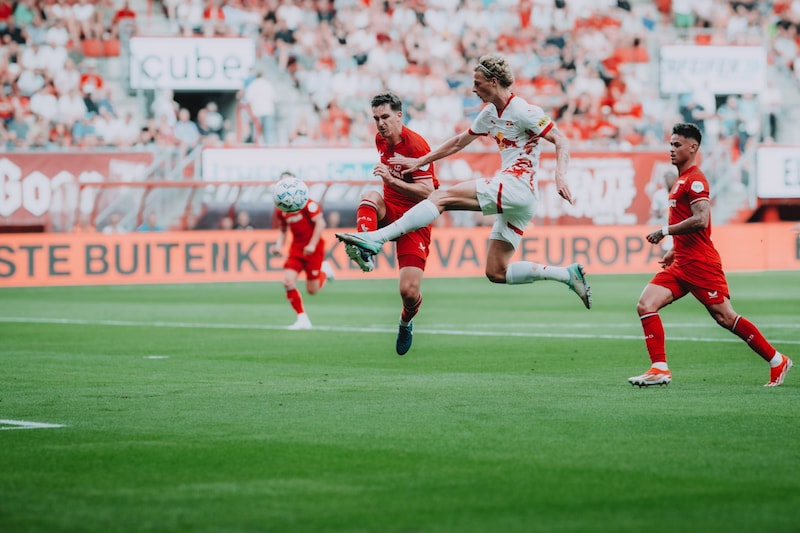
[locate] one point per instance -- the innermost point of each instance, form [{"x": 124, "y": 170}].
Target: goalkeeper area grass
[{"x": 193, "y": 408}]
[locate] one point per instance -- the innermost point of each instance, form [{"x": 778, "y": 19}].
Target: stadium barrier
[{"x": 52, "y": 259}]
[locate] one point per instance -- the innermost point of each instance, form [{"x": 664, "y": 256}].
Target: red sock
[
  {"x": 367, "y": 216},
  {"x": 749, "y": 333},
  {"x": 293, "y": 295},
  {"x": 410, "y": 312},
  {"x": 322, "y": 278},
  {"x": 654, "y": 337}
]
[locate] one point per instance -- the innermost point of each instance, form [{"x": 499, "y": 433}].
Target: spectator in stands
[
  {"x": 90, "y": 80},
  {"x": 214, "y": 19},
  {"x": 214, "y": 119},
  {"x": 67, "y": 78},
  {"x": 186, "y": 131},
  {"x": 44, "y": 103},
  {"x": 243, "y": 221},
  {"x": 164, "y": 105},
  {"x": 114, "y": 224},
  {"x": 190, "y": 17},
  {"x": 84, "y": 224},
  {"x": 225, "y": 223},
  {"x": 6, "y": 12},
  {"x": 259, "y": 95},
  {"x": 127, "y": 17},
  {"x": 30, "y": 81},
  {"x": 60, "y": 136},
  {"x": 150, "y": 223},
  {"x": 84, "y": 13},
  {"x": 82, "y": 129},
  {"x": 71, "y": 107}
]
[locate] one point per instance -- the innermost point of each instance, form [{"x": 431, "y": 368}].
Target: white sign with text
[
  {"x": 716, "y": 69},
  {"x": 778, "y": 169},
  {"x": 190, "y": 64}
]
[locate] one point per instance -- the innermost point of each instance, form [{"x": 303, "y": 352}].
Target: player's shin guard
[
  {"x": 654, "y": 337},
  {"x": 409, "y": 312},
  {"x": 367, "y": 216},
  {"x": 296, "y": 301},
  {"x": 749, "y": 333}
]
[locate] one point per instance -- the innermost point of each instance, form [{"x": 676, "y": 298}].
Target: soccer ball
[{"x": 290, "y": 195}]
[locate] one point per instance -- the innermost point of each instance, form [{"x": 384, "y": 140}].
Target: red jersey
[
  {"x": 692, "y": 250},
  {"x": 301, "y": 224},
  {"x": 411, "y": 145}
]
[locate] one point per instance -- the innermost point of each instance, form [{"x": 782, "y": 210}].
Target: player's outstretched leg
[
  {"x": 404, "y": 338},
  {"x": 578, "y": 284},
  {"x": 362, "y": 258}
]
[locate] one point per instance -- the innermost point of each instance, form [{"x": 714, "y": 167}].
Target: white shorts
[{"x": 512, "y": 202}]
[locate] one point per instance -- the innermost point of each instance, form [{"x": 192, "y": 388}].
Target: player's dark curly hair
[
  {"x": 687, "y": 130},
  {"x": 395, "y": 104}
]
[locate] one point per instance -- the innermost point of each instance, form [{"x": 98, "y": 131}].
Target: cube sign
[{"x": 190, "y": 64}]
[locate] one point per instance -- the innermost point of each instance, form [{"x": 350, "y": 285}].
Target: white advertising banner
[
  {"x": 718, "y": 69},
  {"x": 311, "y": 164},
  {"x": 778, "y": 172},
  {"x": 190, "y": 64}
]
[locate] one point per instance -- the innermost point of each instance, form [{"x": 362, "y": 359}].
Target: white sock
[
  {"x": 660, "y": 366},
  {"x": 776, "y": 360},
  {"x": 521, "y": 272},
  {"x": 419, "y": 216}
]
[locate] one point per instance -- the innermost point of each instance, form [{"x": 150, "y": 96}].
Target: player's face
[
  {"x": 681, "y": 150},
  {"x": 483, "y": 87},
  {"x": 388, "y": 121}
]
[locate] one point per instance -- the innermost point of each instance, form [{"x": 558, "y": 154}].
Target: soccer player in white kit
[{"x": 510, "y": 195}]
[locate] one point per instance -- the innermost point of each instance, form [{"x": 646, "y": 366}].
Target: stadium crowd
[{"x": 586, "y": 62}]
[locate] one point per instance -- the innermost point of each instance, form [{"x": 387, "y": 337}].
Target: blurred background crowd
[{"x": 591, "y": 64}]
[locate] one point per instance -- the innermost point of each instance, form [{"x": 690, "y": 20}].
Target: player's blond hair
[{"x": 496, "y": 66}]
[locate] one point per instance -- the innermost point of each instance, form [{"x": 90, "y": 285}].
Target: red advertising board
[
  {"x": 43, "y": 188},
  {"x": 225, "y": 256}
]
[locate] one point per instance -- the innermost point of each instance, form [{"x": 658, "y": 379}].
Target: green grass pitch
[{"x": 192, "y": 408}]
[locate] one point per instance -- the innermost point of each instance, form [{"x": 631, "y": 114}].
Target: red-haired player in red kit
[
  {"x": 306, "y": 254},
  {"x": 693, "y": 266},
  {"x": 401, "y": 191}
]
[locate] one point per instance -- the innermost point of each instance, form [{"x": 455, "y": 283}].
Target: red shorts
[
  {"x": 413, "y": 247},
  {"x": 707, "y": 283},
  {"x": 310, "y": 264}
]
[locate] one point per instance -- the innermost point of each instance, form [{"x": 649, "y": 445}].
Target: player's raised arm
[
  {"x": 450, "y": 146},
  {"x": 562, "y": 161}
]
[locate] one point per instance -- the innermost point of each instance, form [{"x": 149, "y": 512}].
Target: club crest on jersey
[{"x": 697, "y": 186}]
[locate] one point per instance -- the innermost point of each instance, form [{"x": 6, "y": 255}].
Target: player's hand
[
  {"x": 563, "y": 191},
  {"x": 382, "y": 171},
  {"x": 409, "y": 163},
  {"x": 309, "y": 249},
  {"x": 668, "y": 258},
  {"x": 655, "y": 237}
]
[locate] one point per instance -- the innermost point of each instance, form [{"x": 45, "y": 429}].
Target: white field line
[
  {"x": 423, "y": 330},
  {"x": 24, "y": 424}
]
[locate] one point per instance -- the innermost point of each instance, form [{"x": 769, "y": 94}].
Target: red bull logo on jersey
[{"x": 504, "y": 143}]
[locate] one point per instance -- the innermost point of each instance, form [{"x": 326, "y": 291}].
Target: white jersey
[{"x": 516, "y": 129}]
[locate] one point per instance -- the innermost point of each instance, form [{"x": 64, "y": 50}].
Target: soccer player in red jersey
[
  {"x": 401, "y": 191},
  {"x": 693, "y": 266},
  {"x": 306, "y": 254}
]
